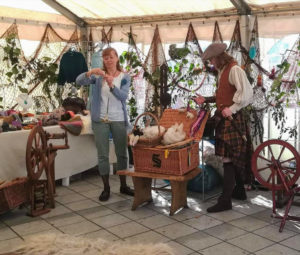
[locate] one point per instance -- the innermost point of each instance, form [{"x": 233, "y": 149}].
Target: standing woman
[
  {"x": 233, "y": 93},
  {"x": 108, "y": 113}
]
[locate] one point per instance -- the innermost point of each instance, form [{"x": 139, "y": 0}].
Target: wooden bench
[{"x": 142, "y": 185}]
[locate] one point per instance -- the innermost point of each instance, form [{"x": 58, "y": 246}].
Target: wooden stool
[{"x": 142, "y": 187}]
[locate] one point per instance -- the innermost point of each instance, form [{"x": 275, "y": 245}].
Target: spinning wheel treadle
[{"x": 274, "y": 161}]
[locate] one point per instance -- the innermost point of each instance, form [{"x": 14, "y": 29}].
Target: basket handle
[{"x": 150, "y": 114}]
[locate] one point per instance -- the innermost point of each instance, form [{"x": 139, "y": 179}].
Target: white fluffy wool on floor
[
  {"x": 52, "y": 244},
  {"x": 214, "y": 161}
]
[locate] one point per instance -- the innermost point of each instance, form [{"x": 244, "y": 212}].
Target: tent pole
[
  {"x": 65, "y": 12},
  {"x": 84, "y": 41}
]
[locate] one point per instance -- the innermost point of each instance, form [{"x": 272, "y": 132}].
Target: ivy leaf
[
  {"x": 17, "y": 51},
  {"x": 9, "y": 74},
  {"x": 15, "y": 69},
  {"x": 46, "y": 59},
  {"x": 191, "y": 67},
  {"x": 185, "y": 61},
  {"x": 177, "y": 68},
  {"x": 23, "y": 90},
  {"x": 121, "y": 59}
]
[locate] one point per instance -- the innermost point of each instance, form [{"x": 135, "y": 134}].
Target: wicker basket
[
  {"x": 13, "y": 194},
  {"x": 165, "y": 161},
  {"x": 175, "y": 161},
  {"x": 147, "y": 142},
  {"x": 171, "y": 116}
]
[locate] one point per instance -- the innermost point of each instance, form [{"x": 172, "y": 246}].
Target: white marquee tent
[{"x": 276, "y": 18}]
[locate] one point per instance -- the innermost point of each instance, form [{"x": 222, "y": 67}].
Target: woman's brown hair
[
  {"x": 106, "y": 52},
  {"x": 223, "y": 59}
]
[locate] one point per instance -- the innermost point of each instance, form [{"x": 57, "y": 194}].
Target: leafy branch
[
  {"x": 44, "y": 72},
  {"x": 130, "y": 62}
]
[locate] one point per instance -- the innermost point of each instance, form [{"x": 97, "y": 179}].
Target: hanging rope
[
  {"x": 217, "y": 37},
  {"x": 155, "y": 58}
]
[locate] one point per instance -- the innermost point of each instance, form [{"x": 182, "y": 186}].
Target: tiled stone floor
[{"x": 247, "y": 229}]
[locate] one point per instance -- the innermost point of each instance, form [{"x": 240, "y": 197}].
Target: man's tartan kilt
[{"x": 230, "y": 144}]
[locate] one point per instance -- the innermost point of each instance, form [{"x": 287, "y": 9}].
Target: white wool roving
[
  {"x": 152, "y": 131},
  {"x": 46, "y": 244},
  {"x": 86, "y": 125},
  {"x": 212, "y": 160},
  {"x": 174, "y": 134}
]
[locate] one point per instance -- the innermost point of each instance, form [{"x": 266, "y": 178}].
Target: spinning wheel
[
  {"x": 276, "y": 165},
  {"x": 274, "y": 161},
  {"x": 40, "y": 159},
  {"x": 41, "y": 191},
  {"x": 36, "y": 153}
]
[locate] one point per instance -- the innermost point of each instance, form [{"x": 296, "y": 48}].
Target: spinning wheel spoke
[
  {"x": 263, "y": 158},
  {"x": 288, "y": 177},
  {"x": 288, "y": 160},
  {"x": 38, "y": 141},
  {"x": 288, "y": 170},
  {"x": 283, "y": 148},
  {"x": 33, "y": 162},
  {"x": 262, "y": 169},
  {"x": 270, "y": 150},
  {"x": 35, "y": 142},
  {"x": 270, "y": 176}
]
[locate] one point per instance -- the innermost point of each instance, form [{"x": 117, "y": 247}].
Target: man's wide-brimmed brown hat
[{"x": 213, "y": 50}]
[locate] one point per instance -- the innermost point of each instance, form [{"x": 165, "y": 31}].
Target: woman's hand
[
  {"x": 88, "y": 74},
  {"x": 226, "y": 112},
  {"x": 96, "y": 71},
  {"x": 109, "y": 79},
  {"x": 199, "y": 100}
]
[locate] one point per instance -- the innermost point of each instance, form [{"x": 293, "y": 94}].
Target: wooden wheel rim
[
  {"x": 36, "y": 153},
  {"x": 275, "y": 165}
]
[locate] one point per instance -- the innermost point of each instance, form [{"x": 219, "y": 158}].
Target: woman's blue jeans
[{"x": 102, "y": 131}]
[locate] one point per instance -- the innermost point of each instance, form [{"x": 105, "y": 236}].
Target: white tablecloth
[{"x": 81, "y": 156}]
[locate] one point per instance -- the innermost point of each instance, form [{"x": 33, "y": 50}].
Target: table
[
  {"x": 81, "y": 156},
  {"x": 142, "y": 187}
]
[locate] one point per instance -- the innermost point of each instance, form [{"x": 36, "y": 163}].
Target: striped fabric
[{"x": 73, "y": 126}]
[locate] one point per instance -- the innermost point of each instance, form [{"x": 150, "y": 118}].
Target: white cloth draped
[{"x": 81, "y": 156}]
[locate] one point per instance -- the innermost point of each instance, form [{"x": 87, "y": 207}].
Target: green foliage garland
[{"x": 44, "y": 71}]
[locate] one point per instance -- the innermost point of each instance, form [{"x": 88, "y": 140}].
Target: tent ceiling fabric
[
  {"x": 276, "y": 17},
  {"x": 110, "y": 12},
  {"x": 105, "y": 9}
]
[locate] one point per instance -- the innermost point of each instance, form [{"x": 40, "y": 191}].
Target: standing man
[{"x": 233, "y": 93}]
